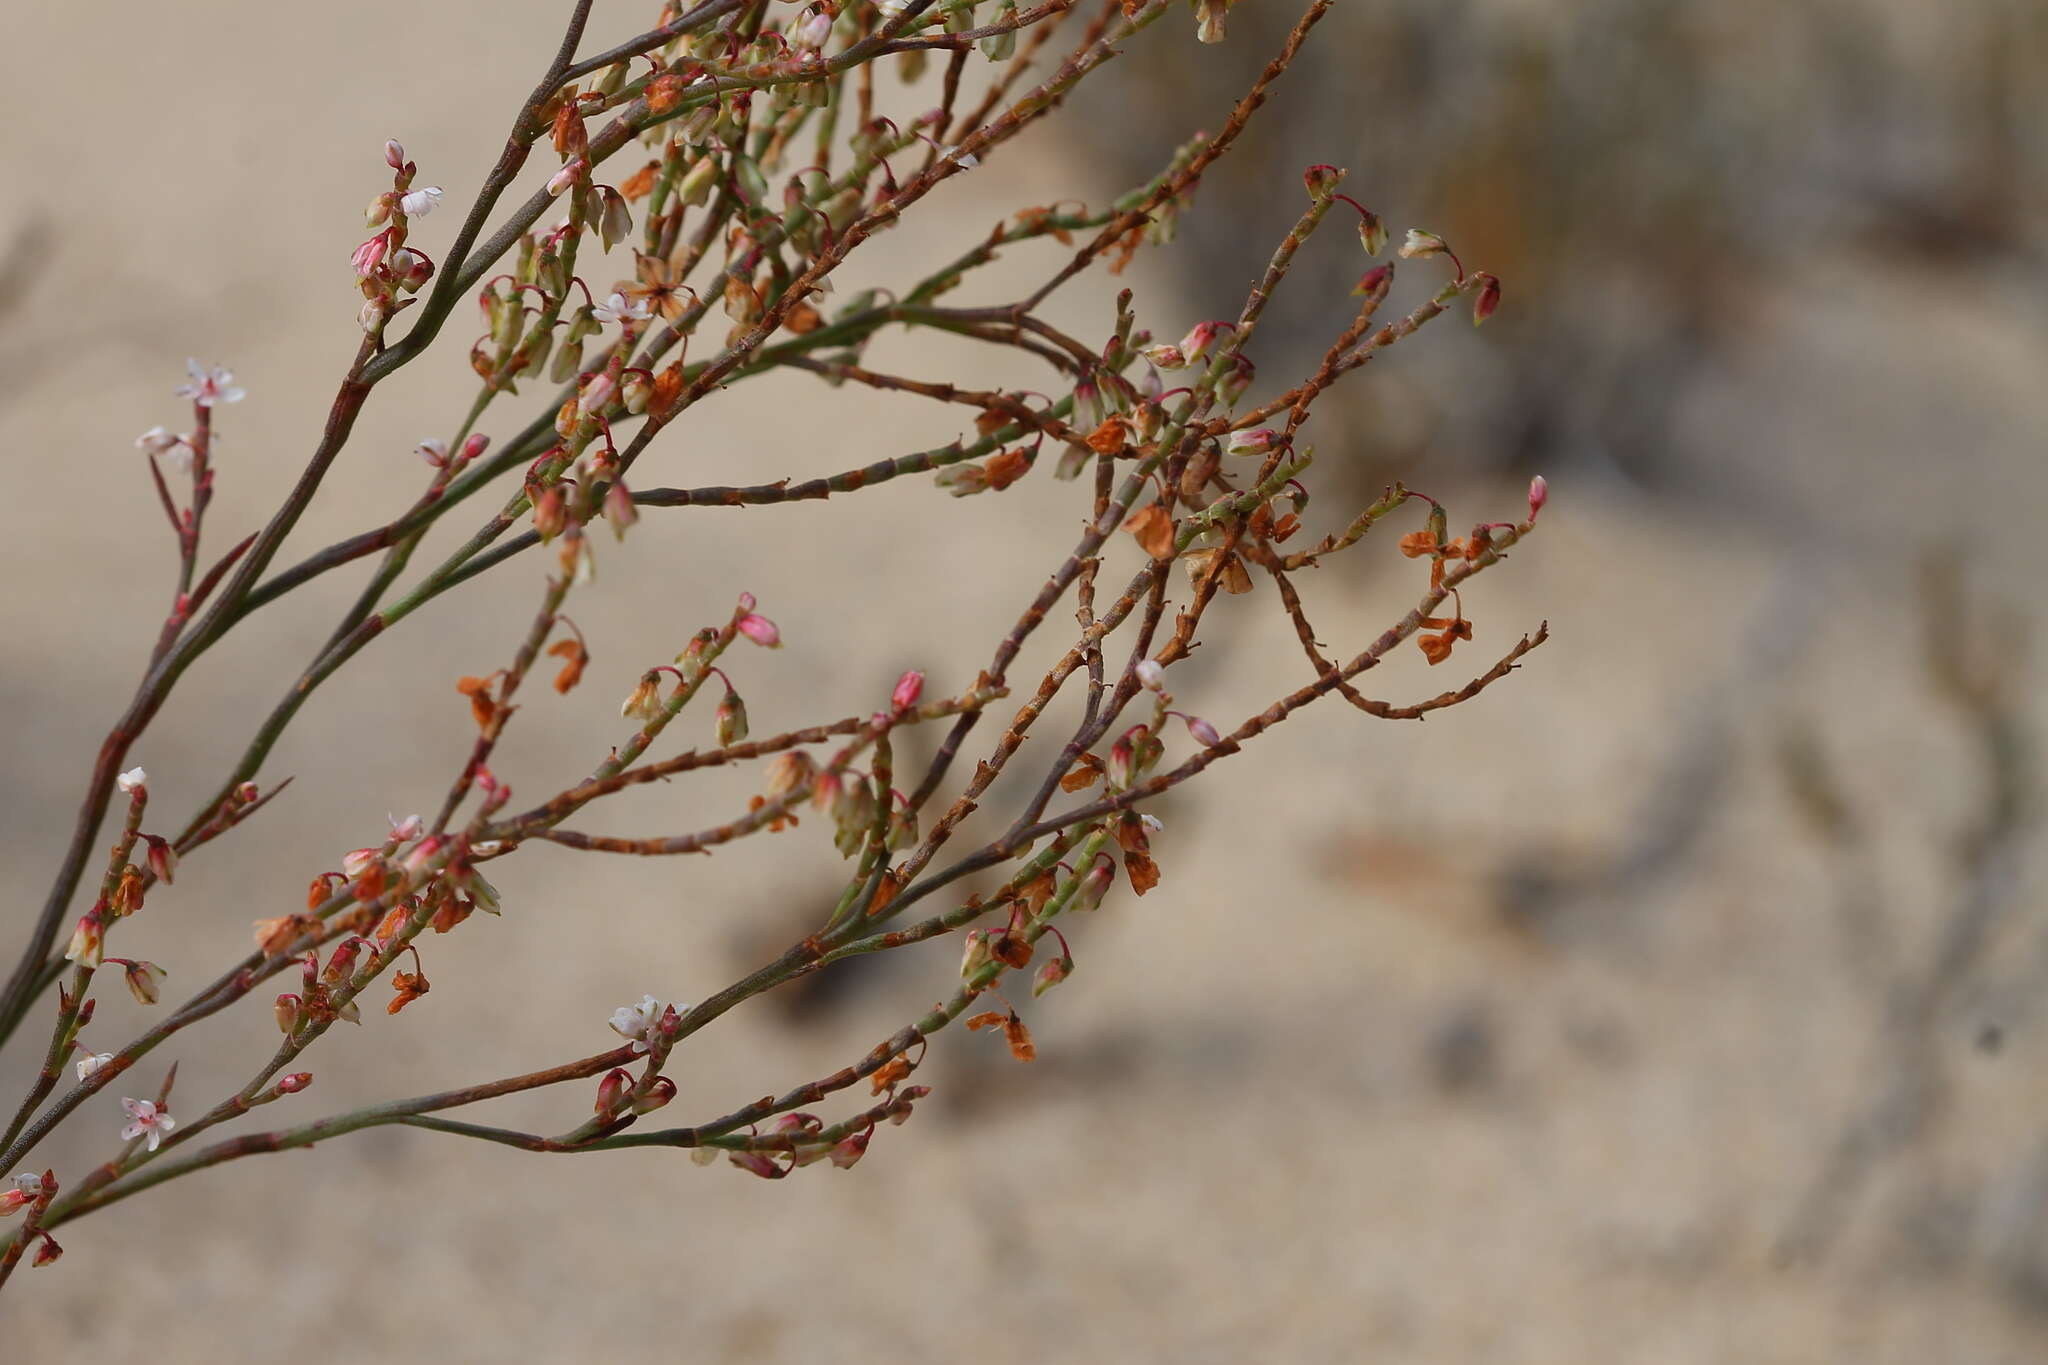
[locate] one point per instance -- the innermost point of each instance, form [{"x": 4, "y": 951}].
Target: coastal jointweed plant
[{"x": 740, "y": 150}]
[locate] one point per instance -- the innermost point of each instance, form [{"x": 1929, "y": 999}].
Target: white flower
[
  {"x": 129, "y": 781},
  {"x": 421, "y": 202},
  {"x": 619, "y": 308},
  {"x": 88, "y": 1065},
  {"x": 968, "y": 160},
  {"x": 1421, "y": 244},
  {"x": 402, "y": 830},
  {"x": 1149, "y": 674},
  {"x": 29, "y": 1183},
  {"x": 156, "y": 441},
  {"x": 146, "y": 1120},
  {"x": 638, "y": 1022},
  {"x": 432, "y": 451},
  {"x": 1152, "y": 823},
  {"x": 210, "y": 384}
]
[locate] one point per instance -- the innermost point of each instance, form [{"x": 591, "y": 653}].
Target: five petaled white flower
[
  {"x": 210, "y": 384},
  {"x": 145, "y": 1119},
  {"x": 90, "y": 1064},
  {"x": 619, "y": 308},
  {"x": 421, "y": 202},
  {"x": 130, "y": 780},
  {"x": 638, "y": 1022}
]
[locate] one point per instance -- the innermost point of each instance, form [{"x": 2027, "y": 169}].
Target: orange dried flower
[
  {"x": 1086, "y": 771},
  {"x": 574, "y": 657},
  {"x": 640, "y": 183},
  {"x": 1005, "y": 469},
  {"x": 889, "y": 1074},
  {"x": 1142, "y": 871},
  {"x": 409, "y": 986},
  {"x": 1152, "y": 528},
  {"x": 1111, "y": 437},
  {"x": 1021, "y": 1046},
  {"x": 481, "y": 707}
]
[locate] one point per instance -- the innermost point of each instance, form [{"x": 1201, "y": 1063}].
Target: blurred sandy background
[{"x": 1679, "y": 1000}]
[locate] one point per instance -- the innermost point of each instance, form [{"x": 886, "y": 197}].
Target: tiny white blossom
[
  {"x": 1149, "y": 674},
  {"x": 146, "y": 1120},
  {"x": 130, "y": 780},
  {"x": 90, "y": 1064},
  {"x": 968, "y": 160},
  {"x": 1152, "y": 823},
  {"x": 637, "y": 1023},
  {"x": 29, "y": 1183},
  {"x": 619, "y": 308},
  {"x": 402, "y": 830},
  {"x": 421, "y": 202},
  {"x": 210, "y": 384}
]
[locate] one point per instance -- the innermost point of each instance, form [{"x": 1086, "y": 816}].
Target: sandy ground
[{"x": 1526, "y": 1035}]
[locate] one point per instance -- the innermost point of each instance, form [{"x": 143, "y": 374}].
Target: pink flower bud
[
  {"x": 661, "y": 1092},
  {"x": 1486, "y": 299},
  {"x": 247, "y": 793},
  {"x": 1054, "y": 971},
  {"x": 597, "y": 391},
  {"x": 1321, "y": 179},
  {"x": 1256, "y": 442},
  {"x": 87, "y": 941},
  {"x": 1373, "y": 280},
  {"x": 611, "y": 1091},
  {"x": 423, "y": 853},
  {"x": 758, "y": 1163},
  {"x": 909, "y": 688},
  {"x": 1196, "y": 343},
  {"x": 394, "y": 154},
  {"x": 760, "y": 630},
  {"x": 1203, "y": 731},
  {"x": 1539, "y": 493},
  {"x": 852, "y": 1149},
  {"x": 435, "y": 453},
  {"x": 371, "y": 254},
  {"x": 976, "y": 954},
  {"x": 294, "y": 1083},
  {"x": 730, "y": 719},
  {"x": 564, "y": 178},
  {"x": 163, "y": 859},
  {"x": 473, "y": 447},
  {"x": 1166, "y": 357},
  {"x": 619, "y": 509},
  {"x": 1372, "y": 233},
  {"x": 358, "y": 861}
]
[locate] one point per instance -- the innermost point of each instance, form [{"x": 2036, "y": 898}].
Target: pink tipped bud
[
  {"x": 1374, "y": 280},
  {"x": 371, "y": 254},
  {"x": 1095, "y": 885},
  {"x": 290, "y": 1009},
  {"x": 909, "y": 688},
  {"x": 50, "y": 1251},
  {"x": 619, "y": 509},
  {"x": 597, "y": 391},
  {"x": 1150, "y": 675},
  {"x": 473, "y": 447},
  {"x": 12, "y": 1200},
  {"x": 1486, "y": 298},
  {"x": 145, "y": 981},
  {"x": 87, "y": 940},
  {"x": 611, "y": 1091},
  {"x": 163, "y": 859},
  {"x": 294, "y": 1083},
  {"x": 564, "y": 178},
  {"x": 1203, "y": 731},
  {"x": 1256, "y": 442},
  {"x": 424, "y": 853},
  {"x": 757, "y": 1163},
  {"x": 661, "y": 1092},
  {"x": 358, "y": 861},
  {"x": 247, "y": 793},
  {"x": 1166, "y": 357},
  {"x": 730, "y": 719},
  {"x": 1054, "y": 971},
  {"x": 1539, "y": 493},
  {"x": 1322, "y": 180},
  {"x": 1195, "y": 345},
  {"x": 976, "y": 954},
  {"x": 851, "y": 1150},
  {"x": 760, "y": 630},
  {"x": 394, "y": 154},
  {"x": 550, "y": 512},
  {"x": 1372, "y": 233}
]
